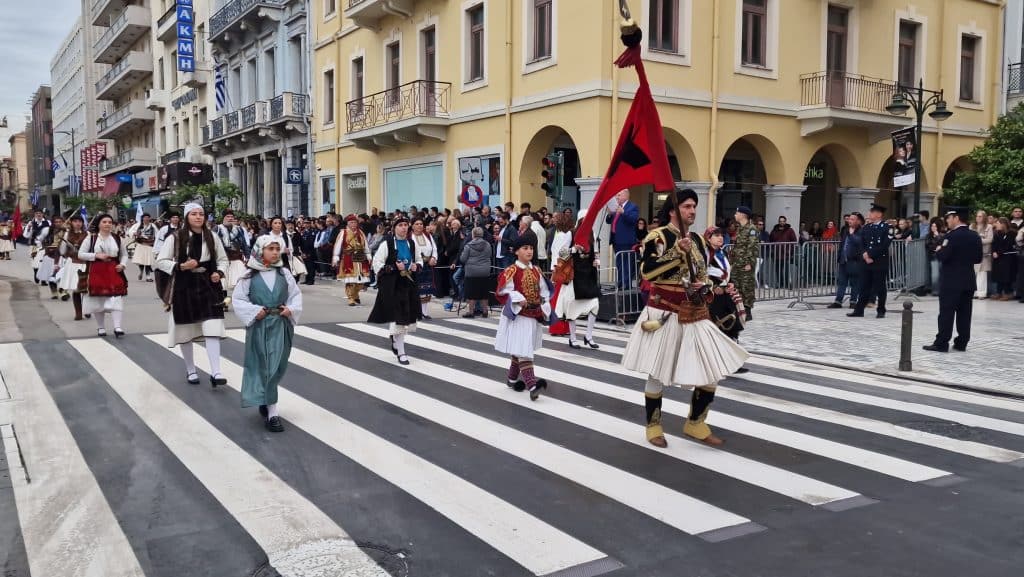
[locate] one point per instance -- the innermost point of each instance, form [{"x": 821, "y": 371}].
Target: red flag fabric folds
[
  {"x": 17, "y": 223},
  {"x": 640, "y": 157}
]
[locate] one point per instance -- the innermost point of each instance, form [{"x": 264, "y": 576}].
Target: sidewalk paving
[{"x": 992, "y": 362}]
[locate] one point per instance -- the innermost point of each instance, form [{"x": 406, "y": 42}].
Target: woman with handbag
[
  {"x": 575, "y": 269},
  {"x": 196, "y": 260},
  {"x": 106, "y": 259}
]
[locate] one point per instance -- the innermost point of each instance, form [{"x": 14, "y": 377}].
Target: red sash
[{"x": 105, "y": 280}]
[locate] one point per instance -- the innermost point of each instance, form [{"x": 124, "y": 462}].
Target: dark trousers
[
  {"x": 848, "y": 275},
  {"x": 1020, "y": 276},
  {"x": 625, "y": 266},
  {"x": 955, "y": 306},
  {"x": 872, "y": 285}
]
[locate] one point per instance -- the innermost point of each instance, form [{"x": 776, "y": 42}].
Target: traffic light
[{"x": 552, "y": 175}]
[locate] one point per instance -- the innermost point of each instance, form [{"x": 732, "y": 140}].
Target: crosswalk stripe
[
  {"x": 747, "y": 470},
  {"x": 909, "y": 387},
  {"x": 856, "y": 456},
  {"x": 963, "y": 418},
  {"x": 290, "y": 529},
  {"x": 89, "y": 540},
  {"x": 490, "y": 519},
  {"x": 964, "y": 447},
  {"x": 547, "y": 337},
  {"x": 671, "y": 507}
]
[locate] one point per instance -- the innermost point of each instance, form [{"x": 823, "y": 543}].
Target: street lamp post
[
  {"x": 74, "y": 175},
  {"x": 920, "y": 99}
]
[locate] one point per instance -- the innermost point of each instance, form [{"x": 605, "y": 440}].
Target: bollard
[{"x": 906, "y": 336}]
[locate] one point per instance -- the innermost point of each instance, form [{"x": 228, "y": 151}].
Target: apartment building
[
  {"x": 17, "y": 169},
  {"x": 777, "y": 105},
  {"x": 126, "y": 47},
  {"x": 40, "y": 152},
  {"x": 259, "y": 132},
  {"x": 73, "y": 77}
]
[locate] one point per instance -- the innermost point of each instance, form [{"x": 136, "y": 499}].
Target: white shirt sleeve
[{"x": 380, "y": 258}]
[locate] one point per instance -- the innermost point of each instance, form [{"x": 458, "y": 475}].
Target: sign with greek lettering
[{"x": 186, "y": 36}]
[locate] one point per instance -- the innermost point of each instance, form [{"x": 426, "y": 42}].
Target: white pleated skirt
[
  {"x": 570, "y": 308},
  {"x": 143, "y": 255},
  {"x": 178, "y": 334},
  {"x": 519, "y": 337},
  {"x": 686, "y": 355},
  {"x": 236, "y": 269},
  {"x": 69, "y": 275},
  {"x": 46, "y": 268},
  {"x": 38, "y": 258},
  {"x": 92, "y": 304},
  {"x": 6, "y": 245}
]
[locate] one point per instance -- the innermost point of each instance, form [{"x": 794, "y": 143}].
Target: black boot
[
  {"x": 695, "y": 426},
  {"x": 655, "y": 433}
]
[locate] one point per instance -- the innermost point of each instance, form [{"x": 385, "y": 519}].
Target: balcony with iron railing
[
  {"x": 288, "y": 105},
  {"x": 103, "y": 10},
  {"x": 125, "y": 119},
  {"x": 369, "y": 13},
  {"x": 173, "y": 156},
  {"x": 128, "y": 160},
  {"x": 167, "y": 25},
  {"x": 400, "y": 114},
  {"x": 129, "y": 71},
  {"x": 836, "y": 97},
  {"x": 1015, "y": 79},
  {"x": 123, "y": 33},
  {"x": 231, "y": 17}
]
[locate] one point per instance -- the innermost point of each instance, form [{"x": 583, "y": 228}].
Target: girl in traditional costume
[
  {"x": 726, "y": 307},
  {"x": 267, "y": 300},
  {"x": 398, "y": 303},
  {"x": 107, "y": 258},
  {"x": 524, "y": 294},
  {"x": 196, "y": 261},
  {"x": 576, "y": 267},
  {"x": 72, "y": 276},
  {"x": 426, "y": 249},
  {"x": 6, "y": 240}
]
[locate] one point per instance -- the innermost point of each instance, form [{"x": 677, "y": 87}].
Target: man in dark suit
[
  {"x": 957, "y": 255},
  {"x": 623, "y": 216},
  {"x": 875, "y": 237},
  {"x": 505, "y": 240}
]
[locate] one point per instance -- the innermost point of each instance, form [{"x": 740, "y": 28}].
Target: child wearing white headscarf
[{"x": 268, "y": 302}]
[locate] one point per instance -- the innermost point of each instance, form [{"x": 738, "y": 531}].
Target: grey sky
[{"x": 30, "y": 33}]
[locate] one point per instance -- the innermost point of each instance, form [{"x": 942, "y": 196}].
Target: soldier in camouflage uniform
[{"x": 746, "y": 249}]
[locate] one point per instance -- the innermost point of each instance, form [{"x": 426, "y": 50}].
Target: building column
[
  {"x": 783, "y": 200},
  {"x": 928, "y": 202},
  {"x": 588, "y": 189},
  {"x": 269, "y": 206},
  {"x": 857, "y": 199},
  {"x": 703, "y": 189}
]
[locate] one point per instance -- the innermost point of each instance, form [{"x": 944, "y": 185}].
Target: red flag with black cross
[{"x": 640, "y": 157}]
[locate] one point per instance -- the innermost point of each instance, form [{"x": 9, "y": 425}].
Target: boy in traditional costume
[
  {"x": 398, "y": 301},
  {"x": 233, "y": 239},
  {"x": 49, "y": 265},
  {"x": 352, "y": 258},
  {"x": 72, "y": 279},
  {"x": 36, "y": 231},
  {"x": 195, "y": 259},
  {"x": 674, "y": 342},
  {"x": 524, "y": 294},
  {"x": 145, "y": 236},
  {"x": 267, "y": 300},
  {"x": 6, "y": 240}
]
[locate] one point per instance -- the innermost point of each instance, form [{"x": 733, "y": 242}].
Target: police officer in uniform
[
  {"x": 745, "y": 250},
  {"x": 876, "y": 262},
  {"x": 957, "y": 255}
]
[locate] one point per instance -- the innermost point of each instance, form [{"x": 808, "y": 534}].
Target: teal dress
[{"x": 268, "y": 344}]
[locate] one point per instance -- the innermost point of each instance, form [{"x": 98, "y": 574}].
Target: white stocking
[
  {"x": 653, "y": 386},
  {"x": 101, "y": 320},
  {"x": 272, "y": 411},
  {"x": 213, "y": 353},
  {"x": 572, "y": 331},
  {"x": 423, "y": 308},
  {"x": 591, "y": 320},
  {"x": 116, "y": 315},
  {"x": 400, "y": 344},
  {"x": 187, "y": 354}
]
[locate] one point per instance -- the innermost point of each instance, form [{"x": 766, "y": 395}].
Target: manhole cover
[{"x": 337, "y": 558}]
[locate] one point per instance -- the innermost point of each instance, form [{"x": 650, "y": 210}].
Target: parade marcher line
[
  {"x": 768, "y": 477},
  {"x": 969, "y": 448},
  {"x": 827, "y": 372},
  {"x": 671, "y": 507},
  {"x": 490, "y": 519},
  {"x": 289, "y": 528},
  {"x": 89, "y": 541}
]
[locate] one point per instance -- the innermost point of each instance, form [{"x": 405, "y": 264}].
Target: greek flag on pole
[
  {"x": 55, "y": 166},
  {"x": 138, "y": 212},
  {"x": 220, "y": 87},
  {"x": 85, "y": 214}
]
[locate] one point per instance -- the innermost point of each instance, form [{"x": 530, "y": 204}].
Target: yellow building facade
[{"x": 780, "y": 105}]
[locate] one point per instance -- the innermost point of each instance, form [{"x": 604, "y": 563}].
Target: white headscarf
[
  {"x": 192, "y": 206},
  {"x": 256, "y": 256}
]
